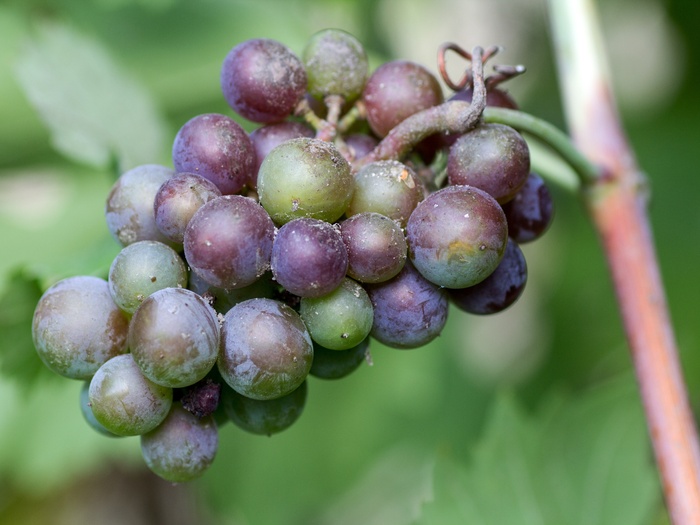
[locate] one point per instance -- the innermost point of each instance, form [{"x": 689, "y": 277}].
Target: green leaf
[
  {"x": 93, "y": 109},
  {"x": 580, "y": 461},
  {"x": 18, "y": 357}
]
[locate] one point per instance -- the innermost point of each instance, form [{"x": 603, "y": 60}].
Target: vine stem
[{"x": 617, "y": 205}]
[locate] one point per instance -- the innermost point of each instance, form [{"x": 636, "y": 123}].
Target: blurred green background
[{"x": 531, "y": 416}]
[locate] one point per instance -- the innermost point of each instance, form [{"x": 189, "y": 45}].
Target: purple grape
[
  {"x": 360, "y": 144},
  {"x": 129, "y": 208},
  {"x": 499, "y": 290},
  {"x": 174, "y": 337},
  {"x": 266, "y": 138},
  {"x": 265, "y": 416},
  {"x": 124, "y": 401},
  {"x": 217, "y": 148},
  {"x": 77, "y": 327},
  {"x": 529, "y": 213},
  {"x": 396, "y": 90},
  {"x": 335, "y": 364},
  {"x": 492, "y": 157},
  {"x": 309, "y": 258},
  {"x": 141, "y": 269},
  {"x": 388, "y": 187},
  {"x": 409, "y": 311},
  {"x": 177, "y": 200},
  {"x": 182, "y": 448},
  {"x": 376, "y": 247},
  {"x": 202, "y": 398},
  {"x": 228, "y": 242},
  {"x": 263, "y": 80},
  {"x": 457, "y": 236},
  {"x": 266, "y": 351},
  {"x": 305, "y": 178}
]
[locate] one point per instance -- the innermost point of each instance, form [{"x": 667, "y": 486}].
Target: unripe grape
[
  {"x": 336, "y": 364},
  {"x": 336, "y": 64},
  {"x": 305, "y": 177}
]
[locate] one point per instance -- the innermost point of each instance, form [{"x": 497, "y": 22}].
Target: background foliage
[{"x": 531, "y": 416}]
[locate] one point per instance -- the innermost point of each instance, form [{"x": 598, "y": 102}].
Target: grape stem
[
  {"x": 452, "y": 117},
  {"x": 617, "y": 202}
]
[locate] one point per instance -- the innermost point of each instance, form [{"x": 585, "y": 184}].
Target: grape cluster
[{"x": 261, "y": 259}]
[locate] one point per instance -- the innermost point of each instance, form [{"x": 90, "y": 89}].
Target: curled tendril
[{"x": 467, "y": 78}]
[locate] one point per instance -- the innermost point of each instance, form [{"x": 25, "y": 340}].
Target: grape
[
  {"x": 457, "y": 236},
  {"x": 202, "y": 398},
  {"x": 265, "y": 416},
  {"x": 388, "y": 187},
  {"x": 499, "y": 290},
  {"x": 336, "y": 64},
  {"x": 177, "y": 200},
  {"x": 495, "y": 97},
  {"x": 263, "y": 80},
  {"x": 396, "y": 90},
  {"x": 409, "y": 311},
  {"x": 266, "y": 138},
  {"x": 492, "y": 157},
  {"x": 129, "y": 208},
  {"x": 360, "y": 144},
  {"x": 338, "y": 320},
  {"x": 376, "y": 247},
  {"x": 335, "y": 364},
  {"x": 217, "y": 148},
  {"x": 529, "y": 213},
  {"x": 305, "y": 177},
  {"x": 77, "y": 327},
  {"x": 124, "y": 401},
  {"x": 174, "y": 337},
  {"x": 228, "y": 242},
  {"x": 309, "y": 257},
  {"x": 142, "y": 268},
  {"x": 86, "y": 410},
  {"x": 182, "y": 447},
  {"x": 266, "y": 351}
]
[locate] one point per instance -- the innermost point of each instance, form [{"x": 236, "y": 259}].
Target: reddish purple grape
[
  {"x": 492, "y": 157},
  {"x": 266, "y": 351},
  {"x": 409, "y": 310},
  {"x": 499, "y": 290},
  {"x": 263, "y": 80},
  {"x": 360, "y": 144},
  {"x": 217, "y": 148},
  {"x": 529, "y": 213},
  {"x": 228, "y": 242},
  {"x": 177, "y": 200},
  {"x": 309, "y": 258},
  {"x": 266, "y": 138},
  {"x": 376, "y": 247},
  {"x": 396, "y": 90},
  {"x": 457, "y": 236}
]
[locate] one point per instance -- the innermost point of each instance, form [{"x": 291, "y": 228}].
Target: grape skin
[
  {"x": 141, "y": 269},
  {"x": 124, "y": 401},
  {"x": 336, "y": 364},
  {"x": 457, "y": 236},
  {"x": 266, "y": 350},
  {"x": 409, "y": 311},
  {"x": 309, "y": 258},
  {"x": 76, "y": 327},
  {"x": 263, "y": 80},
  {"x": 174, "y": 337},
  {"x": 266, "y": 138},
  {"x": 234, "y": 256},
  {"x": 530, "y": 212},
  {"x": 182, "y": 448},
  {"x": 217, "y": 148}
]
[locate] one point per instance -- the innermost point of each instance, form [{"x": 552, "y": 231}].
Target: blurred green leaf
[
  {"x": 580, "y": 461},
  {"x": 18, "y": 358},
  {"x": 93, "y": 109}
]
